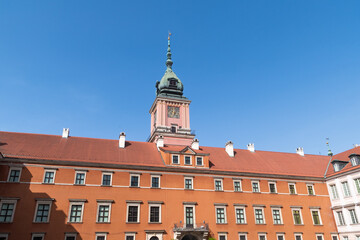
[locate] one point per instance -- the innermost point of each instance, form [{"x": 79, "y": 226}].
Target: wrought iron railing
[{"x": 191, "y": 227}]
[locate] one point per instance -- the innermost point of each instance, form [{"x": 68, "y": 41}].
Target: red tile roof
[
  {"x": 344, "y": 156},
  {"x": 52, "y": 147}
]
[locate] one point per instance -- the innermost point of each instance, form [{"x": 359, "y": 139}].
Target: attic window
[
  {"x": 355, "y": 159},
  {"x": 172, "y": 83}
]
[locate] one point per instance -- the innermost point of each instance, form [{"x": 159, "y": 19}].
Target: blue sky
[{"x": 281, "y": 74}]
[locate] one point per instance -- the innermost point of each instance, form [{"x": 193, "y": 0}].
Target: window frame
[
  {"x": 312, "y": 187},
  {"x": 70, "y": 235},
  {"x": 261, "y": 235},
  {"x": 38, "y": 202},
  {"x": 353, "y": 217},
  {"x": 155, "y": 176},
  {"x": 15, "y": 169},
  {"x": 258, "y": 186},
  {"x": 34, "y": 235},
  {"x": 298, "y": 235},
  {"x": 202, "y": 160},
  {"x": 357, "y": 184},
  {"x": 280, "y": 235},
  {"x": 9, "y": 201},
  {"x": 292, "y": 184},
  {"x": 244, "y": 211},
  {"x": 345, "y": 189},
  {"x": 275, "y": 187},
  {"x": 178, "y": 159},
  {"x": 128, "y": 205},
  {"x": 53, "y": 179},
  {"x": 340, "y": 218},
  {"x": 216, "y": 214},
  {"x": 280, "y": 214},
  {"x": 99, "y": 204},
  {"x": 300, "y": 214},
  {"x": 262, "y": 214},
  {"x": 312, "y": 216},
  {"x": 192, "y": 183},
  {"x": 102, "y": 179},
  {"x": 334, "y": 192},
  {"x": 240, "y": 186},
  {"x": 82, "y": 203},
  {"x": 319, "y": 235},
  {"x": 334, "y": 235},
  {"x": 130, "y": 235},
  {"x": 80, "y": 172},
  {"x": 193, "y": 213},
  {"x": 240, "y": 234},
  {"x": 154, "y": 205},
  {"x": 222, "y": 234},
  {"x": 138, "y": 181},
  {"x": 102, "y": 234},
  {"x": 187, "y": 164},
  {"x": 221, "y": 184},
  {"x": 4, "y": 235}
]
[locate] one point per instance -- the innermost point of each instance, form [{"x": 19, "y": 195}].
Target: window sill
[
  {"x": 256, "y": 192},
  {"x": 354, "y": 224},
  {"x": 299, "y": 224},
  {"x": 293, "y": 194},
  {"x": 155, "y": 187},
  {"x": 221, "y": 223},
  {"x": 241, "y": 223},
  {"x": 154, "y": 222},
  {"x": 106, "y": 185},
  {"x": 238, "y": 191},
  {"x": 260, "y": 223},
  {"x": 79, "y": 184},
  {"x": 219, "y": 190},
  {"x": 12, "y": 182},
  {"x": 133, "y": 222},
  {"x": 48, "y": 183},
  {"x": 134, "y": 186},
  {"x": 40, "y": 222},
  {"x": 189, "y": 189},
  {"x": 318, "y": 225},
  {"x": 278, "y": 224},
  {"x": 273, "y": 193},
  {"x": 103, "y": 222},
  {"x": 74, "y": 222}
]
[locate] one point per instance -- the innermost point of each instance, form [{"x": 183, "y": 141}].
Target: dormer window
[
  {"x": 338, "y": 165},
  {"x": 355, "y": 159},
  {"x": 172, "y": 83}
]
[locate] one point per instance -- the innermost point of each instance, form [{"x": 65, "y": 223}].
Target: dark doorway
[
  {"x": 154, "y": 238},
  {"x": 189, "y": 237}
]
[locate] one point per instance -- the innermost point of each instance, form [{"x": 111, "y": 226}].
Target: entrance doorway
[{"x": 189, "y": 237}]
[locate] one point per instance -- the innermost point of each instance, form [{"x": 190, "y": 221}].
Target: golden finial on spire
[{"x": 169, "y": 35}]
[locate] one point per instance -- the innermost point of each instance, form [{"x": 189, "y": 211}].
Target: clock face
[{"x": 173, "y": 112}]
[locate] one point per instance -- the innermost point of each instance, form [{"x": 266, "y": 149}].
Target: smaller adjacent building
[{"x": 343, "y": 182}]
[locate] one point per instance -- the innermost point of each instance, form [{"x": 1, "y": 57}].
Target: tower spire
[{"x": 169, "y": 62}]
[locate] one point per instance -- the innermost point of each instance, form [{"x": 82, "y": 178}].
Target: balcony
[{"x": 197, "y": 227}]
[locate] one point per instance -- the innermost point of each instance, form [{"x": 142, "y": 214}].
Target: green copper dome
[{"x": 169, "y": 85}]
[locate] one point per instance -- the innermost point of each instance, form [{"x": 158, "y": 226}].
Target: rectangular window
[
  {"x": 189, "y": 217},
  {"x": 104, "y": 210},
  {"x": 101, "y": 236},
  {"x": 199, "y": 161},
  {"x": 357, "y": 184},
  {"x": 76, "y": 212},
  {"x": 292, "y": 188},
  {"x": 240, "y": 215},
  {"x": 42, "y": 212},
  {"x": 154, "y": 214},
  {"x": 80, "y": 178},
  {"x": 175, "y": 159},
  {"x": 276, "y": 216},
  {"x": 134, "y": 180},
  {"x": 129, "y": 236},
  {"x": 49, "y": 176},
  {"x": 354, "y": 219},
  {"x": 280, "y": 236},
  {"x": 310, "y": 188},
  {"x": 7, "y": 210},
  {"x": 272, "y": 187},
  {"x": 133, "y": 213},
  {"x": 37, "y": 236},
  {"x": 316, "y": 217},
  {"x": 298, "y": 236},
  {"x": 297, "y": 216},
  {"x": 346, "y": 189},
  {"x": 237, "y": 186},
  {"x": 345, "y": 238},
  {"x": 187, "y": 160},
  {"x": 70, "y": 236},
  {"x": 188, "y": 183},
  {"x": 106, "y": 179},
  {"x": 155, "y": 181},
  {"x": 218, "y": 185},
  {"x": 335, "y": 237},
  {"x": 319, "y": 237},
  {"x": 334, "y": 192},
  {"x": 255, "y": 186},
  {"x": 259, "y": 216},
  {"x": 242, "y": 236},
  {"x": 341, "y": 220},
  {"x": 262, "y": 237},
  {"x": 220, "y": 215},
  {"x": 4, "y": 236},
  {"x": 222, "y": 236},
  {"x": 14, "y": 174}
]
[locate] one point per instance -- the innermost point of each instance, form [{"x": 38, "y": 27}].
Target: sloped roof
[
  {"x": 344, "y": 156},
  {"x": 92, "y": 150}
]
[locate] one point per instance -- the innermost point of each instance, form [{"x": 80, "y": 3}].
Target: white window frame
[
  {"x": 222, "y": 234},
  {"x": 342, "y": 218},
  {"x": 345, "y": 237},
  {"x": 100, "y": 235},
  {"x": 281, "y": 218},
  {"x": 262, "y": 213},
  {"x": 345, "y": 190},
  {"x": 298, "y": 234},
  {"x": 14, "y": 168},
  {"x": 79, "y": 171},
  {"x": 194, "y": 213},
  {"x": 82, "y": 203},
  {"x": 262, "y": 234},
  {"x": 34, "y": 235},
  {"x": 292, "y": 184},
  {"x": 272, "y": 182},
  {"x": 135, "y": 175},
  {"x": 318, "y": 211},
  {"x": 236, "y": 220},
  {"x": 202, "y": 161},
  {"x": 300, "y": 213},
  {"x": 280, "y": 234},
  {"x": 49, "y": 170},
  {"x": 128, "y": 205},
  {"x": 190, "y": 160},
  {"x": 102, "y": 178},
  {"x": 98, "y": 211},
  {"x": 313, "y": 189},
  {"x": 356, "y": 216},
  {"x": 225, "y": 217},
  {"x": 130, "y": 235},
  {"x": 334, "y": 192},
  {"x": 237, "y": 181},
  {"x": 155, "y": 176},
  {"x": 4, "y": 235},
  {"x": 70, "y": 235},
  {"x": 242, "y": 234},
  {"x": 334, "y": 235},
  {"x": 37, "y": 206},
  {"x": 258, "y": 184},
  {"x": 9, "y": 201},
  {"x": 221, "y": 184},
  {"x": 319, "y": 235},
  {"x": 172, "y": 159},
  {"x": 357, "y": 184},
  {"x": 192, "y": 182},
  {"x": 155, "y": 205}
]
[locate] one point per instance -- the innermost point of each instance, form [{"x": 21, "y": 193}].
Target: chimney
[
  {"x": 300, "y": 151},
  {"x": 65, "y": 133},
  {"x": 229, "y": 148},
  {"x": 122, "y": 140},
  {"x": 195, "y": 144},
  {"x": 251, "y": 147},
  {"x": 160, "y": 141}
]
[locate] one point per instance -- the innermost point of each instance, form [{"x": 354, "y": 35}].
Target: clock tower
[{"x": 170, "y": 116}]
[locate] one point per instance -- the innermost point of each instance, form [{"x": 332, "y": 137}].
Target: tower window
[
  {"x": 173, "y": 129},
  {"x": 172, "y": 83}
]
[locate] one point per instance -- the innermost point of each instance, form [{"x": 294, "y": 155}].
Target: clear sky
[{"x": 281, "y": 74}]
